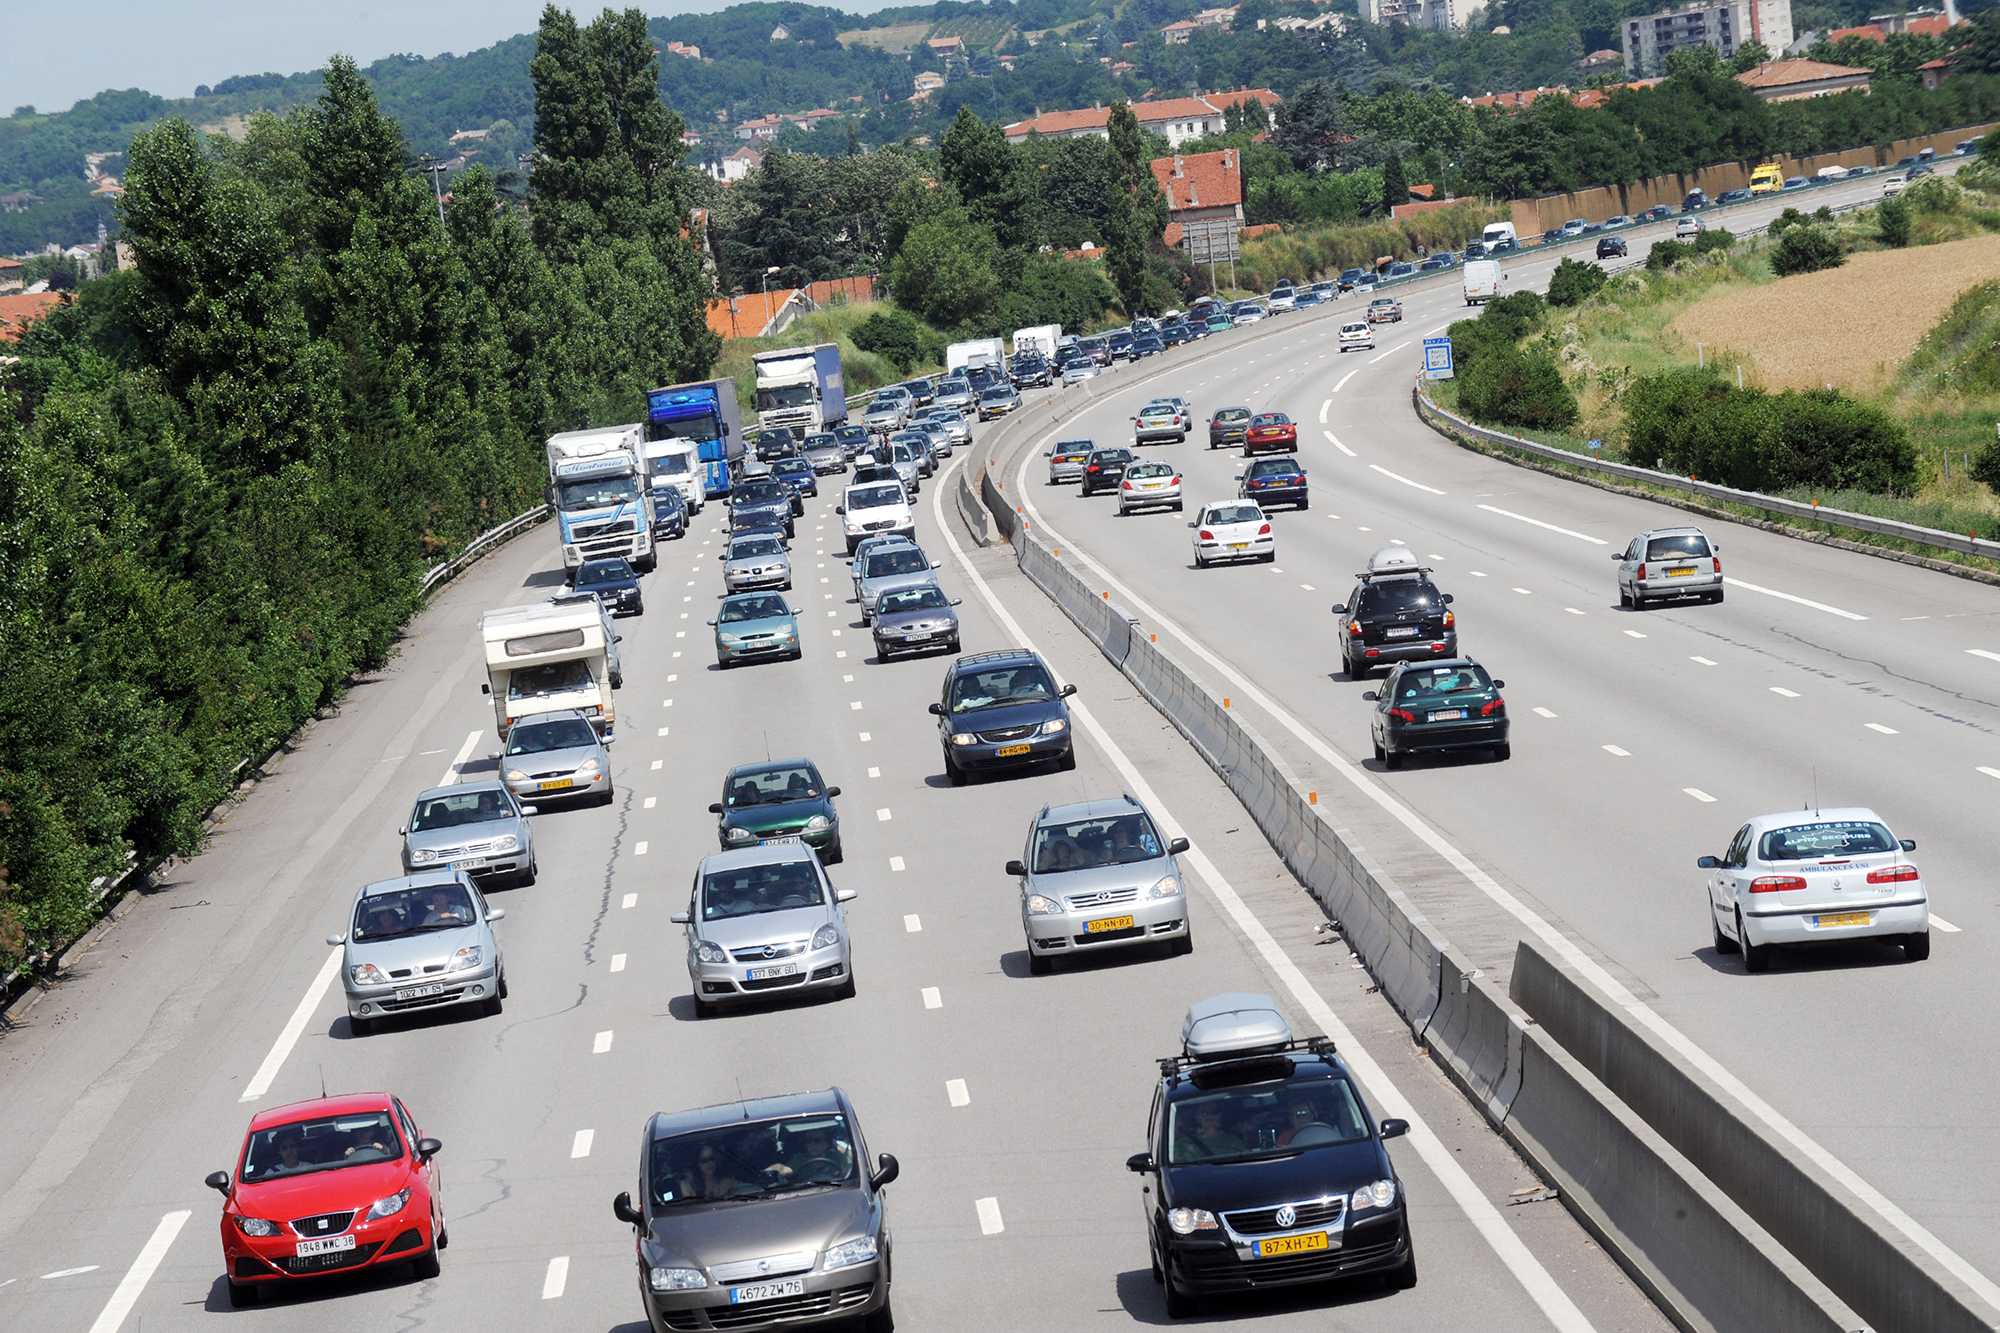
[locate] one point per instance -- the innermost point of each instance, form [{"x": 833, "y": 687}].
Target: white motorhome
[
  {"x": 677, "y": 461},
  {"x": 548, "y": 657},
  {"x": 1041, "y": 338},
  {"x": 1483, "y": 280},
  {"x": 989, "y": 352}
]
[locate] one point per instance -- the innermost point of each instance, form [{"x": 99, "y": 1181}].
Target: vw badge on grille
[{"x": 1287, "y": 1215}]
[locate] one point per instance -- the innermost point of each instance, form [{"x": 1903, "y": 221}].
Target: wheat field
[{"x": 1850, "y": 327}]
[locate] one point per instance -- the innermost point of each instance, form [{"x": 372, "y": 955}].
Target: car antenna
[
  {"x": 739, "y": 1097},
  {"x": 322, "y": 1082}
]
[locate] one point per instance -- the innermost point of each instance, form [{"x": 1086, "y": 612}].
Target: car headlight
[
  {"x": 256, "y": 1226},
  {"x": 390, "y": 1206},
  {"x": 739, "y": 835},
  {"x": 1168, "y": 886},
  {"x": 509, "y": 843},
  {"x": 852, "y": 524},
  {"x": 1379, "y": 1195},
  {"x": 710, "y": 953},
  {"x": 516, "y": 775},
  {"x": 367, "y": 974},
  {"x": 1038, "y": 905},
  {"x": 423, "y": 854},
  {"x": 587, "y": 766},
  {"x": 826, "y": 936},
  {"x": 466, "y": 958},
  {"x": 964, "y": 738},
  {"x": 853, "y": 1252},
  {"x": 1187, "y": 1220},
  {"x": 1053, "y": 726},
  {"x": 818, "y": 822},
  {"x": 676, "y": 1279}
]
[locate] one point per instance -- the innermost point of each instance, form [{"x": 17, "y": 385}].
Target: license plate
[
  {"x": 1239, "y": 546},
  {"x": 767, "y": 1291},
  {"x": 1842, "y": 919},
  {"x": 788, "y": 840},
  {"x": 1009, "y": 751},
  {"x": 1291, "y": 1244},
  {"x": 325, "y": 1245},
  {"x": 419, "y": 992},
  {"x": 1400, "y": 632},
  {"x": 1677, "y": 573},
  {"x": 918, "y": 637},
  {"x": 775, "y": 970},
  {"x": 1447, "y": 715},
  {"x": 466, "y": 863},
  {"x": 1108, "y": 923},
  {"x": 1154, "y": 485},
  {"x": 557, "y": 785}
]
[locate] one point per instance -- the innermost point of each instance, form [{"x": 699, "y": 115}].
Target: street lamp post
[{"x": 435, "y": 170}]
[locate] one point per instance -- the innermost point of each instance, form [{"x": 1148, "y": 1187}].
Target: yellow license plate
[
  {"x": 1239, "y": 546},
  {"x": 1009, "y": 751},
  {"x": 1291, "y": 1244},
  {"x": 557, "y": 785},
  {"x": 1108, "y": 923},
  {"x": 1843, "y": 919},
  {"x": 1678, "y": 573}
]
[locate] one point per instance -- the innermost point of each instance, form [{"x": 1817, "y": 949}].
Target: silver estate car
[
  {"x": 998, "y": 401},
  {"x": 755, "y": 561},
  {"x": 551, "y": 756},
  {"x": 424, "y": 941},
  {"x": 1098, "y": 875},
  {"x": 477, "y": 827},
  {"x": 1669, "y": 562},
  {"x": 762, "y": 1213},
  {"x": 893, "y": 569},
  {"x": 954, "y": 423},
  {"x": 765, "y": 920},
  {"x": 1149, "y": 483},
  {"x": 889, "y": 410},
  {"x": 1067, "y": 460}
]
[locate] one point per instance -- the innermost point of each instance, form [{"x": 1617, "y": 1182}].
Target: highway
[
  {"x": 1641, "y": 740},
  {"x": 1010, "y": 1101}
]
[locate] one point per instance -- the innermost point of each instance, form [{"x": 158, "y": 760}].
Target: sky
[{"x": 169, "y": 46}]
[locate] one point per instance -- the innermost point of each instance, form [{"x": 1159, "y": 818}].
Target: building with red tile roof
[
  {"x": 1176, "y": 119},
  {"x": 22, "y": 309},
  {"x": 1791, "y": 80},
  {"x": 754, "y": 314}
]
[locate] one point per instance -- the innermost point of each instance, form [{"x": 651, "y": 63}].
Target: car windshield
[
  {"x": 1811, "y": 842},
  {"x": 533, "y": 682},
  {"x": 670, "y": 465},
  {"x": 596, "y": 493},
  {"x": 1680, "y": 544},
  {"x": 1233, "y": 414},
  {"x": 914, "y": 599},
  {"x": 760, "y": 492},
  {"x": 562, "y": 733},
  {"x": 1436, "y": 682},
  {"x": 858, "y": 434},
  {"x": 746, "y": 1160},
  {"x": 413, "y": 911},
  {"x": 1149, "y": 470},
  {"x": 996, "y": 393},
  {"x": 667, "y": 496},
  {"x": 1395, "y": 595},
  {"x": 1275, "y": 1119},
  {"x": 773, "y": 786},
  {"x": 326, "y": 1144},
  {"x": 909, "y": 560},
  {"x": 953, "y": 386},
  {"x": 873, "y": 497},
  {"x": 1089, "y": 843},
  {"x": 900, "y": 453},
  {"x": 460, "y": 808},
  {"x": 739, "y": 609},
  {"x": 747, "y": 547},
  {"x": 1024, "y": 684},
  {"x": 602, "y": 571},
  {"x": 1233, "y": 514},
  {"x": 775, "y": 886},
  {"x": 821, "y": 441}
]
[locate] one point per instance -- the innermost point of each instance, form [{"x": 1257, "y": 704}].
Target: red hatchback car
[
  {"x": 1270, "y": 432},
  {"x": 330, "y": 1186}
]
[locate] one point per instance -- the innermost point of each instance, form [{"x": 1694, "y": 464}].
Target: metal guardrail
[
  {"x": 478, "y": 545},
  {"x": 1967, "y": 544}
]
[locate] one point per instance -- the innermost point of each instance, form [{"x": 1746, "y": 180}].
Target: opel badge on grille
[{"x": 1287, "y": 1215}]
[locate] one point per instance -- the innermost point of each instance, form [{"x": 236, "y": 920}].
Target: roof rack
[
  {"x": 998, "y": 656},
  {"x": 1393, "y": 561},
  {"x": 1233, "y": 1028},
  {"x": 1172, "y": 1066}
]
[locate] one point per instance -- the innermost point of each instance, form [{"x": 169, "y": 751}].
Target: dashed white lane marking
[
  {"x": 989, "y": 1216},
  {"x": 864, "y": 735},
  {"x": 883, "y": 815},
  {"x": 557, "y": 1277},
  {"x": 841, "y": 653},
  {"x": 1877, "y": 726},
  {"x": 1567, "y": 532},
  {"x": 580, "y": 1145},
  {"x": 1788, "y": 597},
  {"x": 1699, "y": 795},
  {"x": 1573, "y": 611},
  {"x": 639, "y": 850},
  {"x": 1308, "y": 587},
  {"x": 464, "y": 753},
  {"x": 954, "y": 1091},
  {"x": 1397, "y": 476},
  {"x": 874, "y": 772},
  {"x": 1944, "y": 925},
  {"x": 1622, "y": 754},
  {"x": 1400, "y": 347},
  {"x": 912, "y": 924},
  {"x": 140, "y": 1273},
  {"x": 87, "y": 1268},
  {"x": 1703, "y": 660},
  {"x": 631, "y": 900},
  {"x": 601, "y": 1044},
  {"x": 260, "y": 1082},
  {"x": 1345, "y": 378},
  {"x": 1334, "y": 440},
  {"x": 663, "y": 731},
  {"x": 1789, "y": 694},
  {"x": 1993, "y": 657},
  {"x": 1524, "y": 592},
  {"x": 650, "y": 802},
  {"x": 1634, "y": 634},
  {"x": 617, "y": 962},
  {"x": 671, "y": 680},
  {"x": 658, "y": 764},
  {"x": 847, "y": 680},
  {"x": 1545, "y": 712},
  {"x": 1989, "y": 772},
  {"x": 895, "y": 863},
  {"x": 855, "y": 705},
  {"x": 932, "y": 999},
  {"x": 1477, "y": 573},
  {"x": 666, "y": 703}
]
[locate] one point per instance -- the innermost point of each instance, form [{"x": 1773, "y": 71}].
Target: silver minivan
[
  {"x": 1669, "y": 562},
  {"x": 423, "y": 941},
  {"x": 1098, "y": 875},
  {"x": 765, "y": 921}
]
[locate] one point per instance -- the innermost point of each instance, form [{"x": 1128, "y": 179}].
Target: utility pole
[{"x": 434, "y": 169}]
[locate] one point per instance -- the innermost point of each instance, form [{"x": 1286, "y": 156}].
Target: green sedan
[{"x": 778, "y": 801}]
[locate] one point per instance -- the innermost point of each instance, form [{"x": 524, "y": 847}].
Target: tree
[
  {"x": 1574, "y": 282},
  {"x": 945, "y": 270},
  {"x": 1748, "y": 56},
  {"x": 895, "y": 335},
  {"x": 1395, "y": 190},
  {"x": 1805, "y": 249},
  {"x": 1137, "y": 213},
  {"x": 1313, "y": 131},
  {"x": 1892, "y": 222}
]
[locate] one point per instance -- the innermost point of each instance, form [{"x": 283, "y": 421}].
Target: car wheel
[
  {"x": 1402, "y": 1279},
  {"x": 638, "y": 609},
  {"x": 1624, "y": 598},
  {"x": 1177, "y": 506},
  {"x": 426, "y": 1266},
  {"x": 1756, "y": 957},
  {"x": 1304, "y": 503},
  {"x": 494, "y": 1006},
  {"x": 1390, "y": 759},
  {"x": 834, "y": 854},
  {"x": 882, "y": 1321},
  {"x": 1723, "y": 944},
  {"x": 242, "y": 1295},
  {"x": 1040, "y": 965},
  {"x": 360, "y": 1027},
  {"x": 502, "y": 992},
  {"x": 1715, "y": 596},
  {"x": 617, "y": 680},
  {"x": 1503, "y": 752},
  {"x": 703, "y": 1009},
  {"x": 845, "y": 991},
  {"x": 1067, "y": 763},
  {"x": 1917, "y": 947},
  {"x": 1638, "y": 600},
  {"x": 1180, "y": 1306},
  {"x": 527, "y": 877},
  {"x": 1269, "y": 557},
  {"x": 1183, "y": 946},
  {"x": 610, "y": 794},
  {"x": 722, "y": 663},
  {"x": 952, "y": 771}
]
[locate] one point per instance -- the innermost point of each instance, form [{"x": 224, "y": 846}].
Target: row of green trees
[{"x": 223, "y": 470}]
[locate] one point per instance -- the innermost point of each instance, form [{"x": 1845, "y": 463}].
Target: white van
[
  {"x": 870, "y": 507},
  {"x": 1498, "y": 231},
  {"x": 679, "y": 462},
  {"x": 1483, "y": 278}
]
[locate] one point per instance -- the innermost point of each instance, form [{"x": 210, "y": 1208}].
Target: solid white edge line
[
  {"x": 1555, "y": 941},
  {"x": 1400, "y": 347},
  {"x": 1567, "y": 532},
  {"x": 1788, "y": 597},
  {"x": 557, "y": 1277},
  {"x": 1338, "y": 445},
  {"x": 1345, "y": 378},
  {"x": 260, "y": 1082},
  {"x": 1512, "y": 1252},
  {"x": 140, "y": 1273},
  {"x": 450, "y": 777},
  {"x": 1397, "y": 476},
  {"x": 1323, "y": 407}
]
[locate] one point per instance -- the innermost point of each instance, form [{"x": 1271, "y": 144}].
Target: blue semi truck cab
[{"x": 705, "y": 415}]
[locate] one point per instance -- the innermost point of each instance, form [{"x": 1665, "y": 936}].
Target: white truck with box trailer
[
  {"x": 801, "y": 389},
  {"x": 548, "y": 657}
]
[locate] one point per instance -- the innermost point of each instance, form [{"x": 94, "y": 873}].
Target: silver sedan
[
  {"x": 1147, "y": 484},
  {"x": 550, "y": 756},
  {"x": 765, "y": 920},
  {"x": 477, "y": 827},
  {"x": 424, "y": 941},
  {"x": 755, "y": 562},
  {"x": 1669, "y": 562}
]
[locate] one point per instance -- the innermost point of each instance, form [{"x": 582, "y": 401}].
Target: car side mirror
[
  {"x": 608, "y": 739},
  {"x": 1339, "y": 608},
  {"x": 485, "y": 688},
  {"x": 1237, "y": 477},
  {"x": 496, "y": 913},
  {"x": 1707, "y": 862},
  {"x": 1446, "y": 599},
  {"x": 887, "y": 1168},
  {"x": 710, "y": 622},
  {"x": 1908, "y": 844},
  {"x": 1369, "y": 695},
  {"x": 1139, "y": 1161},
  {"x": 1176, "y": 846},
  {"x": 1499, "y": 684},
  {"x": 935, "y": 710},
  {"x": 832, "y": 792},
  {"x": 937, "y": 564},
  {"x": 680, "y": 918},
  {"x": 1394, "y": 1129},
  {"x": 846, "y": 895},
  {"x": 1016, "y": 869},
  {"x": 428, "y": 1148},
  {"x": 531, "y": 809},
  {"x": 336, "y": 941},
  {"x": 618, "y": 638},
  {"x": 1066, "y": 691},
  {"x": 219, "y": 1182},
  {"x": 840, "y": 509},
  {"x": 494, "y": 755},
  {"x": 715, "y": 807},
  {"x": 1048, "y": 453},
  {"x": 958, "y": 601},
  {"x": 402, "y": 832},
  {"x": 622, "y": 1208}
]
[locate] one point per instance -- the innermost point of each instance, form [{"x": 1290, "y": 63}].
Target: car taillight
[
  {"x": 1354, "y": 629},
  {"x": 1718, "y": 564},
  {"x": 1403, "y": 713},
  {"x": 1776, "y": 884},
  {"x": 1092, "y": 468},
  {"x": 1177, "y": 480},
  {"x": 1495, "y": 707},
  {"x": 1642, "y": 571},
  {"x": 1892, "y": 875},
  {"x": 1206, "y": 535},
  {"x": 1124, "y": 485},
  {"x": 1449, "y": 620},
  {"x": 1264, "y": 531}
]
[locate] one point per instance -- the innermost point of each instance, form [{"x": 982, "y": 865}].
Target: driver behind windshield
[
  {"x": 1013, "y": 685},
  {"x": 814, "y": 1155}
]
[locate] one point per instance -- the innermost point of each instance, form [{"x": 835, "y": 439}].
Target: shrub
[
  {"x": 1695, "y": 423},
  {"x": 1786, "y": 220},
  {"x": 1574, "y": 282},
  {"x": 1934, "y": 194},
  {"x": 894, "y": 334},
  {"x": 1823, "y": 438},
  {"x": 1805, "y": 249},
  {"x": 1716, "y": 238},
  {"x": 1892, "y": 222},
  {"x": 1665, "y": 254},
  {"x": 1500, "y": 325},
  {"x": 1525, "y": 389},
  {"x": 1698, "y": 423}
]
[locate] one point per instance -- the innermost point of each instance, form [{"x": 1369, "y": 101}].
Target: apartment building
[{"x": 1723, "y": 26}]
